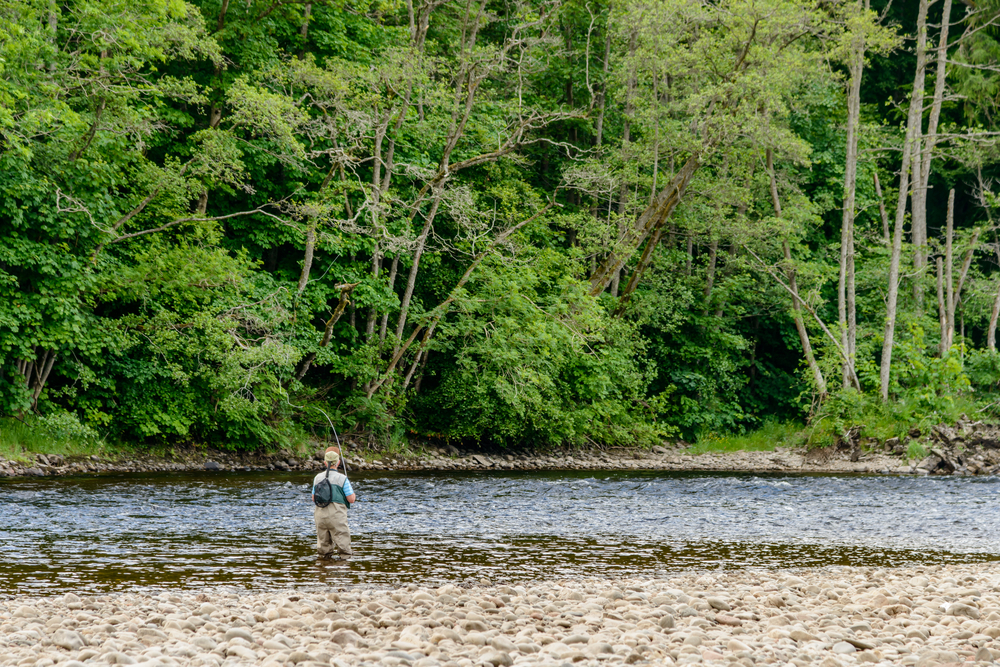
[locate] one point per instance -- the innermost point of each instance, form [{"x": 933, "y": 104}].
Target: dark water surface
[{"x": 255, "y": 529}]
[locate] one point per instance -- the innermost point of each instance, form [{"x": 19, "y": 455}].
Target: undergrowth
[
  {"x": 60, "y": 434},
  {"x": 770, "y": 435}
]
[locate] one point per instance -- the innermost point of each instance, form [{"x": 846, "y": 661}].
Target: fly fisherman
[{"x": 332, "y": 494}]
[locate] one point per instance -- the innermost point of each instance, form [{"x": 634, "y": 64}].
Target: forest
[{"x": 517, "y": 223}]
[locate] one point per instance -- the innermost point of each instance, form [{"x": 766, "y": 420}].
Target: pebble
[{"x": 921, "y": 616}]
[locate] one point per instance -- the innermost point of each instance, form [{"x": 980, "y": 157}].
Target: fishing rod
[
  {"x": 332, "y": 428},
  {"x": 337, "y": 437}
]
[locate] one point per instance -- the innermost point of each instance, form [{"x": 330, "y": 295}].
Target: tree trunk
[
  {"x": 392, "y": 285},
  {"x": 345, "y": 293},
  {"x": 626, "y": 140},
  {"x": 373, "y": 313},
  {"x": 441, "y": 309},
  {"x": 942, "y": 308},
  {"x": 800, "y": 325},
  {"x": 713, "y": 253},
  {"x": 307, "y": 260},
  {"x": 306, "y": 12},
  {"x": 221, "y": 22},
  {"x": 991, "y": 338},
  {"x": 913, "y": 122},
  {"x": 651, "y": 219},
  {"x": 922, "y": 167},
  {"x": 845, "y": 285},
  {"x": 881, "y": 208},
  {"x": 991, "y": 334},
  {"x": 948, "y": 263},
  {"x": 603, "y": 95},
  {"x": 411, "y": 279}
]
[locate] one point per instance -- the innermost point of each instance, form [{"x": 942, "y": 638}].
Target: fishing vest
[{"x": 336, "y": 486}]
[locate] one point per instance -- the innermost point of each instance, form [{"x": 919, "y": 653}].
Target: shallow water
[{"x": 255, "y": 530}]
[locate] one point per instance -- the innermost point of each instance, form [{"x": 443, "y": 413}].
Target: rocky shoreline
[
  {"x": 830, "y": 617},
  {"x": 659, "y": 458},
  {"x": 967, "y": 448}
]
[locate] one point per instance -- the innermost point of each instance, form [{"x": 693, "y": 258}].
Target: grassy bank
[
  {"x": 858, "y": 419},
  {"x": 21, "y": 439}
]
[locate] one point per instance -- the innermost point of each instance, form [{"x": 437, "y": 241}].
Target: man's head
[{"x": 332, "y": 456}]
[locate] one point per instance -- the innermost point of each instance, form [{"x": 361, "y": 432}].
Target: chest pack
[{"x": 323, "y": 494}]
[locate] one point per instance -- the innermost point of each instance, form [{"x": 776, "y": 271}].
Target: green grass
[
  {"x": 19, "y": 440},
  {"x": 770, "y": 435},
  {"x": 915, "y": 451}
]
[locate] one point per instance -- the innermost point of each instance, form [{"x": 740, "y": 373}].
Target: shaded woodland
[{"x": 519, "y": 223}]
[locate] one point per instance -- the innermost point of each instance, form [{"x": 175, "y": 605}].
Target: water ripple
[{"x": 255, "y": 529}]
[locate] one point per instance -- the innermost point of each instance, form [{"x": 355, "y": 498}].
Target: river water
[{"x": 211, "y": 530}]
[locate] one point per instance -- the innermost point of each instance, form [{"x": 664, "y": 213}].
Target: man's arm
[{"x": 352, "y": 498}]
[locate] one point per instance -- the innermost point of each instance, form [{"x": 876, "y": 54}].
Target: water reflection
[{"x": 255, "y": 529}]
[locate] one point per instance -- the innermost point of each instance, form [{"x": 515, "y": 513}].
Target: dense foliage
[{"x": 505, "y": 221}]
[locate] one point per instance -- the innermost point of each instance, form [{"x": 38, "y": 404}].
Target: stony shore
[
  {"x": 965, "y": 448},
  {"x": 659, "y": 458},
  {"x": 832, "y": 617}
]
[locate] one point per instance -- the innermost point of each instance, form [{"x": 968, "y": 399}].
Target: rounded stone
[{"x": 843, "y": 648}]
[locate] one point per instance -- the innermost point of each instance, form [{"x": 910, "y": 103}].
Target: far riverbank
[
  {"x": 965, "y": 448},
  {"x": 659, "y": 458}
]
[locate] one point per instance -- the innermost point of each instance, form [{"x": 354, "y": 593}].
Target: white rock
[{"x": 843, "y": 648}]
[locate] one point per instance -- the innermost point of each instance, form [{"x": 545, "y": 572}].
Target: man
[{"x": 333, "y": 539}]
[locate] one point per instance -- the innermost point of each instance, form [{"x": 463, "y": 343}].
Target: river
[{"x": 254, "y": 530}]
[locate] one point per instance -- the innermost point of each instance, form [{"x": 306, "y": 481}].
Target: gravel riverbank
[
  {"x": 659, "y": 458},
  {"x": 923, "y": 616}
]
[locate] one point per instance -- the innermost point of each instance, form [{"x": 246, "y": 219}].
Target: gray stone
[
  {"x": 860, "y": 645},
  {"x": 667, "y": 622},
  {"x": 25, "y": 611},
  {"x": 501, "y": 643},
  {"x": 212, "y": 465},
  {"x": 843, "y": 648},
  {"x": 242, "y": 633},
  {"x": 719, "y": 603},
  {"x": 68, "y": 639},
  {"x": 574, "y": 639},
  {"x": 932, "y": 658},
  {"x": 930, "y": 462},
  {"x": 735, "y": 645},
  {"x": 498, "y": 659},
  {"x": 348, "y": 637},
  {"x": 241, "y": 652},
  {"x": 984, "y": 655},
  {"x": 601, "y": 648},
  {"x": 402, "y": 655},
  {"x": 959, "y": 609},
  {"x": 151, "y": 632}
]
